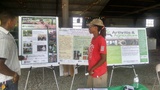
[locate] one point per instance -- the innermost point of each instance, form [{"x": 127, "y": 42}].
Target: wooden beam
[
  {"x": 137, "y": 11},
  {"x": 126, "y": 6},
  {"x": 115, "y": 11}
]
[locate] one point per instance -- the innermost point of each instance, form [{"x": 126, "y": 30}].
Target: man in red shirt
[{"x": 97, "y": 55}]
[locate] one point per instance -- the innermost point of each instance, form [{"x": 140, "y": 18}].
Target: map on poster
[
  {"x": 125, "y": 46},
  {"x": 38, "y": 41}
]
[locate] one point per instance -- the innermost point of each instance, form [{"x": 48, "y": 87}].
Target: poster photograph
[{"x": 38, "y": 22}]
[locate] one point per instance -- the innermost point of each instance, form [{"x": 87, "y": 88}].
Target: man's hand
[
  {"x": 21, "y": 57},
  {"x": 15, "y": 78}
]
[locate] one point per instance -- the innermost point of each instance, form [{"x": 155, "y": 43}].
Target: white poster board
[
  {"x": 38, "y": 41},
  {"x": 73, "y": 45},
  {"x": 125, "y": 46}
]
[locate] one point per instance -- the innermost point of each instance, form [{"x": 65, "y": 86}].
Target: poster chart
[
  {"x": 125, "y": 46},
  {"x": 73, "y": 46},
  {"x": 38, "y": 41}
]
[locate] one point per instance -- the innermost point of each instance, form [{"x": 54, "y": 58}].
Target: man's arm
[{"x": 6, "y": 71}]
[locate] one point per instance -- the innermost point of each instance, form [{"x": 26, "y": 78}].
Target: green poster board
[{"x": 127, "y": 46}]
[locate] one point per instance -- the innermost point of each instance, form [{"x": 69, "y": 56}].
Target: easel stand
[
  {"x": 114, "y": 67},
  {"x": 43, "y": 77},
  {"x": 76, "y": 67},
  {"x": 73, "y": 76}
]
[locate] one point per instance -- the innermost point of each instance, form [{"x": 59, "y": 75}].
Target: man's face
[{"x": 12, "y": 23}]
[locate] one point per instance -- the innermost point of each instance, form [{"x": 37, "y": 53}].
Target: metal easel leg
[
  {"x": 43, "y": 78},
  {"x": 25, "y": 88},
  {"x": 72, "y": 81},
  {"x": 134, "y": 70},
  {"x": 55, "y": 77},
  {"x": 110, "y": 81},
  {"x": 73, "y": 78},
  {"x": 86, "y": 76}
]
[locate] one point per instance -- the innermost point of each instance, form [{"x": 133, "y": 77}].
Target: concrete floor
[{"x": 121, "y": 76}]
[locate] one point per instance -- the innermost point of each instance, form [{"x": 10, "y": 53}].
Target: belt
[
  {"x": 5, "y": 82},
  {"x": 1, "y": 84}
]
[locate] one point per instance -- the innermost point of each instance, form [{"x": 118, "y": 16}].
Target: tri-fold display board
[{"x": 44, "y": 44}]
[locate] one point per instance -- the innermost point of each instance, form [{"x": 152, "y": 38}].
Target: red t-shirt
[{"x": 97, "y": 47}]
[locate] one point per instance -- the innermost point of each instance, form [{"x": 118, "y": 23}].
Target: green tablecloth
[{"x": 141, "y": 87}]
